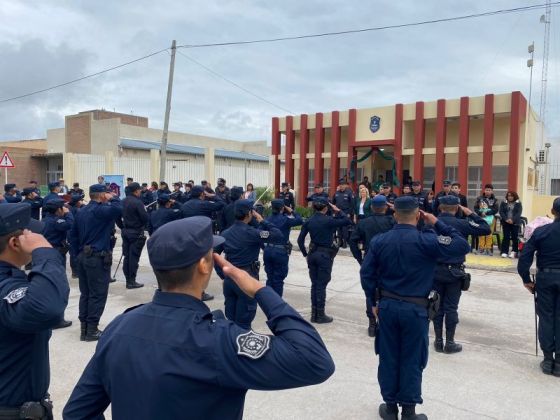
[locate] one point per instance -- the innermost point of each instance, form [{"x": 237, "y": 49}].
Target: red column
[
  {"x": 488, "y": 139},
  {"x": 319, "y": 148},
  {"x": 419, "y": 137},
  {"x": 290, "y": 145},
  {"x": 335, "y": 148},
  {"x": 463, "y": 165},
  {"x": 303, "y": 162},
  {"x": 352, "y": 118},
  {"x": 398, "y": 144},
  {"x": 276, "y": 147},
  {"x": 517, "y": 113},
  {"x": 441, "y": 133}
]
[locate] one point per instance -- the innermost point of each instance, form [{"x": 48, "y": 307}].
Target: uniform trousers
[
  {"x": 276, "y": 268},
  {"x": 239, "y": 307},
  {"x": 402, "y": 346},
  {"x": 133, "y": 243},
  {"x": 320, "y": 265},
  {"x": 548, "y": 309},
  {"x": 93, "y": 278},
  {"x": 449, "y": 289}
]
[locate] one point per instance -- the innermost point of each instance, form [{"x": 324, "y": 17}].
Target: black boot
[
  {"x": 388, "y": 411},
  {"x": 438, "y": 342},
  {"x": 92, "y": 333},
  {"x": 322, "y": 317},
  {"x": 409, "y": 413},
  {"x": 62, "y": 324},
  {"x": 207, "y": 296},
  {"x": 547, "y": 365},
  {"x": 450, "y": 345},
  {"x": 83, "y": 331},
  {"x": 556, "y": 370},
  {"x": 313, "y": 314},
  {"x": 132, "y": 284},
  {"x": 372, "y": 327}
]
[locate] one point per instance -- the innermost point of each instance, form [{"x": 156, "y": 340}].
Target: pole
[
  {"x": 536, "y": 324},
  {"x": 6, "y": 175},
  {"x": 163, "y": 151}
]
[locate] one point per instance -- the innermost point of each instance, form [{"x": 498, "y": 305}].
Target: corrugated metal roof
[{"x": 190, "y": 150}]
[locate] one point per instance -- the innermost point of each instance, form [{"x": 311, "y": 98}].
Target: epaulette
[{"x": 132, "y": 308}]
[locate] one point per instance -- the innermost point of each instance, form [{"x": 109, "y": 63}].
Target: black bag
[
  {"x": 433, "y": 304},
  {"x": 466, "y": 282}
]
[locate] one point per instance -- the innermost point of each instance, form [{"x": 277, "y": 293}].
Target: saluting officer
[
  {"x": 75, "y": 204},
  {"x": 343, "y": 199},
  {"x": 193, "y": 362},
  {"x": 318, "y": 191},
  {"x": 545, "y": 241},
  {"x": 11, "y": 194},
  {"x": 390, "y": 196},
  {"x": 30, "y": 306},
  {"x": 166, "y": 213},
  {"x": 399, "y": 265},
  {"x": 34, "y": 200},
  {"x": 148, "y": 198},
  {"x": 242, "y": 247},
  {"x": 135, "y": 219},
  {"x": 54, "y": 189},
  {"x": 450, "y": 272},
  {"x": 90, "y": 242},
  {"x": 366, "y": 230},
  {"x": 287, "y": 196},
  {"x": 227, "y": 216},
  {"x": 420, "y": 195},
  {"x": 322, "y": 251},
  {"x": 276, "y": 255}
]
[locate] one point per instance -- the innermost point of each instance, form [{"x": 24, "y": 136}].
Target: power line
[
  {"x": 376, "y": 28},
  {"x": 82, "y": 78},
  {"x": 233, "y": 83}
]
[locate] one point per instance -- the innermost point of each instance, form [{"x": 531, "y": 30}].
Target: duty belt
[
  {"x": 550, "y": 270},
  {"x": 276, "y": 246},
  {"x": 417, "y": 300},
  {"x": 461, "y": 265}
]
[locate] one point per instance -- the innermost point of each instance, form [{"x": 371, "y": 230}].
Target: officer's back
[
  {"x": 164, "y": 214},
  {"x": 199, "y": 206}
]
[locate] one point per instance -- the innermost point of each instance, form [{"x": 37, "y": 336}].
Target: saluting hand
[
  {"x": 335, "y": 209},
  {"x": 244, "y": 281},
  {"x": 466, "y": 211},
  {"x": 257, "y": 216},
  {"x": 429, "y": 218},
  {"x": 30, "y": 241}
]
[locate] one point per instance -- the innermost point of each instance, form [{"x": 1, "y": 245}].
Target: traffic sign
[{"x": 6, "y": 161}]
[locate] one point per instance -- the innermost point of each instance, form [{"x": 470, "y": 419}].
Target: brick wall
[
  {"x": 78, "y": 133},
  {"x": 125, "y": 118},
  {"x": 27, "y": 167}
]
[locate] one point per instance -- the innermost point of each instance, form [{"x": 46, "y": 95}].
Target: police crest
[
  {"x": 444, "y": 240},
  {"x": 252, "y": 345},
  {"x": 375, "y": 124},
  {"x": 264, "y": 234},
  {"x": 15, "y": 295}
]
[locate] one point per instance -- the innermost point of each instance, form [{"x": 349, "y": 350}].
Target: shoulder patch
[
  {"x": 473, "y": 223},
  {"x": 132, "y": 308},
  {"x": 61, "y": 221},
  {"x": 264, "y": 234},
  {"x": 15, "y": 295},
  {"x": 252, "y": 345},
  {"x": 444, "y": 240}
]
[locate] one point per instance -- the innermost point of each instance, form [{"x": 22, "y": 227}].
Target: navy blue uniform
[
  {"x": 30, "y": 305},
  {"x": 422, "y": 198},
  {"x": 545, "y": 241},
  {"x": 446, "y": 281},
  {"x": 402, "y": 262},
  {"x": 36, "y": 205},
  {"x": 314, "y": 196},
  {"x": 242, "y": 248},
  {"x": 321, "y": 252},
  {"x": 90, "y": 241},
  {"x": 50, "y": 196},
  {"x": 56, "y": 231},
  {"x": 135, "y": 219},
  {"x": 197, "y": 207},
  {"x": 13, "y": 198},
  {"x": 391, "y": 197},
  {"x": 344, "y": 200},
  {"x": 190, "y": 361},
  {"x": 162, "y": 216},
  {"x": 276, "y": 256},
  {"x": 148, "y": 199},
  {"x": 288, "y": 197}
]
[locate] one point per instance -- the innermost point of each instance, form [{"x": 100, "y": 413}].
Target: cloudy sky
[{"x": 44, "y": 43}]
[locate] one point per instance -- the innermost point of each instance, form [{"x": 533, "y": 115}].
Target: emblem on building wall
[{"x": 375, "y": 124}]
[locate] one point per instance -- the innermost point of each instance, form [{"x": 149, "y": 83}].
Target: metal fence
[
  {"x": 185, "y": 169},
  {"x": 242, "y": 172},
  {"x": 88, "y": 168}
]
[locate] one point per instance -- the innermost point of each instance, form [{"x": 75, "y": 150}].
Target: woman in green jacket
[{"x": 362, "y": 205}]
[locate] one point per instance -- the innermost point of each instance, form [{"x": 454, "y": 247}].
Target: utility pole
[{"x": 163, "y": 150}]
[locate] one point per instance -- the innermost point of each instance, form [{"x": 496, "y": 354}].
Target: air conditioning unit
[{"x": 541, "y": 156}]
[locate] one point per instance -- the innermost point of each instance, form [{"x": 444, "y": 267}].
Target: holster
[
  {"x": 289, "y": 248},
  {"x": 466, "y": 282},
  {"x": 433, "y": 304},
  {"x": 88, "y": 251},
  {"x": 64, "y": 248}
]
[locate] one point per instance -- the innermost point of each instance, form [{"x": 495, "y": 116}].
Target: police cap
[
  {"x": 379, "y": 201},
  {"x": 406, "y": 203},
  {"x": 449, "y": 200},
  {"x": 53, "y": 185},
  {"x": 556, "y": 205},
  {"x": 8, "y": 187},
  {"x": 235, "y": 193},
  {"x": 416, "y": 183},
  {"x": 177, "y": 184},
  {"x": 181, "y": 243},
  {"x": 75, "y": 198},
  {"x": 53, "y": 205},
  {"x": 243, "y": 207},
  {"x": 197, "y": 191},
  {"x": 385, "y": 185},
  {"x": 97, "y": 188},
  {"x": 221, "y": 181},
  {"x": 277, "y": 204},
  {"x": 27, "y": 191},
  {"x": 134, "y": 186},
  {"x": 17, "y": 216},
  {"x": 284, "y": 184},
  {"x": 163, "y": 198},
  {"x": 342, "y": 181},
  {"x": 447, "y": 182},
  {"x": 318, "y": 185},
  {"x": 321, "y": 201}
]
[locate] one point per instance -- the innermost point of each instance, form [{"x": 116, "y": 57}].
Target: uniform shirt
[
  {"x": 30, "y": 305},
  {"x": 134, "y": 213},
  {"x": 403, "y": 260},
  {"x": 288, "y": 197},
  {"x": 243, "y": 242},
  {"x": 492, "y": 205},
  {"x": 391, "y": 197},
  {"x": 194, "y": 364},
  {"x": 147, "y": 197},
  {"x": 285, "y": 223},
  {"x": 162, "y": 216},
  {"x": 422, "y": 198},
  {"x": 15, "y": 198},
  {"x": 344, "y": 200},
  {"x": 546, "y": 242},
  {"x": 56, "y": 228},
  {"x": 321, "y": 228},
  {"x": 366, "y": 230},
  {"x": 197, "y": 207},
  {"x": 36, "y": 205},
  {"x": 472, "y": 225},
  {"x": 223, "y": 194},
  {"x": 93, "y": 226},
  {"x": 50, "y": 196}
]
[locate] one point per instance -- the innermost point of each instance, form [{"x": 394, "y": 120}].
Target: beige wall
[
  {"x": 387, "y": 124},
  {"x": 104, "y": 136},
  {"x": 26, "y": 144},
  {"x": 56, "y": 140}
]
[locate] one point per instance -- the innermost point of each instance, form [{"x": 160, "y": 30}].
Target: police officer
[
  {"x": 443, "y": 193},
  {"x": 227, "y": 215},
  {"x": 287, "y": 196},
  {"x": 35, "y": 186},
  {"x": 222, "y": 192},
  {"x": 167, "y": 212},
  {"x": 450, "y": 274},
  {"x": 545, "y": 241},
  {"x": 76, "y": 190},
  {"x": 75, "y": 204},
  {"x": 242, "y": 247},
  {"x": 343, "y": 198},
  {"x": 135, "y": 219},
  {"x": 34, "y": 200},
  {"x": 11, "y": 194},
  {"x": 400, "y": 265},
  {"x": 322, "y": 251},
  {"x": 90, "y": 242},
  {"x": 390, "y": 196},
  {"x": 366, "y": 230},
  {"x": 276, "y": 254},
  {"x": 30, "y": 306},
  {"x": 177, "y": 194},
  {"x": 148, "y": 198},
  {"x": 54, "y": 189},
  {"x": 176, "y": 325},
  {"x": 420, "y": 195},
  {"x": 318, "y": 191}
]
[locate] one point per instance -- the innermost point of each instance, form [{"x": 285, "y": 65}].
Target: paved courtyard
[{"x": 495, "y": 377}]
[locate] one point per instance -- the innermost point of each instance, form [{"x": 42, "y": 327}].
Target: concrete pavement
[{"x": 496, "y": 376}]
